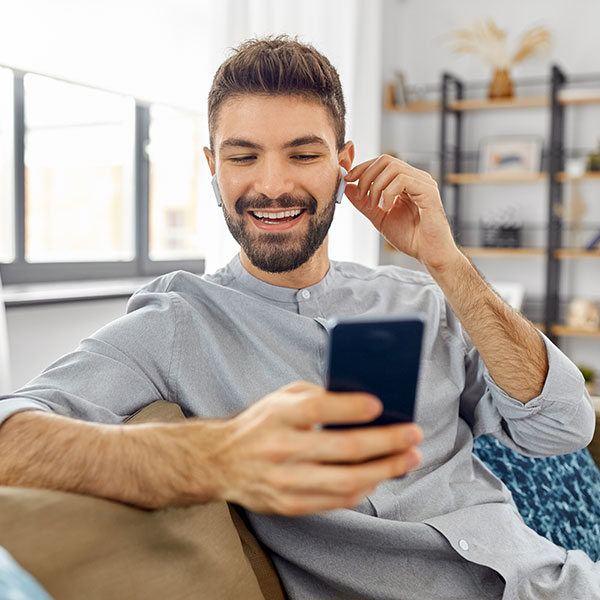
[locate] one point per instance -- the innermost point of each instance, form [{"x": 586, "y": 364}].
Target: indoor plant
[{"x": 589, "y": 378}]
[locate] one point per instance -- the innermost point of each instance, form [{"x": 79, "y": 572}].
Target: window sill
[{"x": 70, "y": 291}]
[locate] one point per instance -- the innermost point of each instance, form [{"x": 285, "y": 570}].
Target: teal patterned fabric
[
  {"x": 17, "y": 584},
  {"x": 557, "y": 496}
]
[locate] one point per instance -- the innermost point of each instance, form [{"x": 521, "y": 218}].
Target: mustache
[{"x": 243, "y": 203}]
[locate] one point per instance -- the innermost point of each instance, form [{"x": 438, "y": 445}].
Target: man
[{"x": 244, "y": 349}]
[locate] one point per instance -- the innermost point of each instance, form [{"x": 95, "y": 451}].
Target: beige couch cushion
[{"x": 83, "y": 547}]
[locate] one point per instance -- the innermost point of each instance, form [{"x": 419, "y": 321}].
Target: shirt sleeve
[
  {"x": 121, "y": 368},
  {"x": 558, "y": 421}
]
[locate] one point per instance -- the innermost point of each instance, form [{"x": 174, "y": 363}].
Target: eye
[
  {"x": 241, "y": 159},
  {"x": 304, "y": 157}
]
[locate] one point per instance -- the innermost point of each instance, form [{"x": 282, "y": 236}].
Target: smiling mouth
[{"x": 276, "y": 218}]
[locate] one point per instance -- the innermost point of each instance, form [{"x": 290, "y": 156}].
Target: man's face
[{"x": 278, "y": 170}]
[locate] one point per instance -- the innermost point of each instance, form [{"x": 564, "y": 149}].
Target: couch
[{"x": 83, "y": 547}]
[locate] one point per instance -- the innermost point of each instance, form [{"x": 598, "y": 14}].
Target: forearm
[
  {"x": 509, "y": 344},
  {"x": 151, "y": 465}
]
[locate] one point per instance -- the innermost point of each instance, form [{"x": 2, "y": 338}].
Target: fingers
[
  {"x": 367, "y": 171},
  {"x": 417, "y": 193},
  {"x": 388, "y": 176},
  {"x": 271, "y": 459},
  {"x": 299, "y": 504},
  {"x": 305, "y": 488},
  {"x": 359, "y": 445},
  {"x": 345, "y": 480},
  {"x": 305, "y": 405},
  {"x": 382, "y": 181}
]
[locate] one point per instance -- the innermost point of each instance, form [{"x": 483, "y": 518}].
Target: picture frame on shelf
[{"x": 511, "y": 155}]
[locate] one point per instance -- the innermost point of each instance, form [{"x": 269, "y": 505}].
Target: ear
[
  {"x": 346, "y": 156},
  {"x": 210, "y": 159}
]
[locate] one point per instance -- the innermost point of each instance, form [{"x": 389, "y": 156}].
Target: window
[
  {"x": 7, "y": 252},
  {"x": 175, "y": 156},
  {"x": 94, "y": 184},
  {"x": 79, "y": 197}
]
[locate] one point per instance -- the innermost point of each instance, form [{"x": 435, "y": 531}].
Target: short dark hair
[{"x": 279, "y": 66}]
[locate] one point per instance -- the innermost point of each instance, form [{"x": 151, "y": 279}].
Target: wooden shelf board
[
  {"x": 473, "y": 178},
  {"x": 412, "y": 107},
  {"x": 577, "y": 253},
  {"x": 565, "y": 98},
  {"x": 564, "y": 330},
  {"x": 516, "y": 102},
  {"x": 415, "y": 107},
  {"x": 579, "y": 97},
  {"x": 477, "y": 251},
  {"x": 563, "y": 177}
]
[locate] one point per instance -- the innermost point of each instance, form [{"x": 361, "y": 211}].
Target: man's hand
[
  {"x": 404, "y": 204},
  {"x": 273, "y": 459}
]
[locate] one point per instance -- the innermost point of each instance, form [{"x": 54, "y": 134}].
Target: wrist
[
  {"x": 445, "y": 272},
  {"x": 177, "y": 463}
]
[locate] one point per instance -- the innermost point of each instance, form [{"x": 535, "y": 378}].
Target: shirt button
[
  {"x": 305, "y": 294},
  {"x": 464, "y": 545}
]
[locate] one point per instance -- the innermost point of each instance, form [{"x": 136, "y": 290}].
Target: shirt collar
[{"x": 250, "y": 284}]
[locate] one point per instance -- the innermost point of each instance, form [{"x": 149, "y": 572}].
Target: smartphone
[{"x": 380, "y": 356}]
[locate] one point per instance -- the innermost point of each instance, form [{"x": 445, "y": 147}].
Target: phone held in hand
[{"x": 378, "y": 355}]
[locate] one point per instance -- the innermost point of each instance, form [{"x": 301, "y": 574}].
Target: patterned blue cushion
[{"x": 557, "y": 496}]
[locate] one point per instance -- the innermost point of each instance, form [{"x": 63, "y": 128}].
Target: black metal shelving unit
[
  {"x": 555, "y": 201},
  {"x": 451, "y": 154},
  {"x": 453, "y": 89}
]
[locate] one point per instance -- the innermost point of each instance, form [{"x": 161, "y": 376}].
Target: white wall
[
  {"x": 38, "y": 335},
  {"x": 415, "y": 42}
]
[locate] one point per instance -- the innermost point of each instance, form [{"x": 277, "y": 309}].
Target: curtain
[
  {"x": 348, "y": 32},
  {"x": 4, "y": 364}
]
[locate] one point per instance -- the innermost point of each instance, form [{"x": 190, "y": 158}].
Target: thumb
[
  {"x": 353, "y": 194},
  {"x": 361, "y": 202}
]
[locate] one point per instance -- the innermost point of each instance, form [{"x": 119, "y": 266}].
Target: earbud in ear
[
  {"x": 215, "y": 188},
  {"x": 339, "y": 196}
]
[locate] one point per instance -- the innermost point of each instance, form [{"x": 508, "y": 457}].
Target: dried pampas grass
[{"x": 486, "y": 40}]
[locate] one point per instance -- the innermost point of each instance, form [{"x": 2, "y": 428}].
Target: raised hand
[{"x": 404, "y": 204}]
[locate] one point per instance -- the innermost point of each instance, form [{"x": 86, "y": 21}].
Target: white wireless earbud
[
  {"x": 215, "y": 188},
  {"x": 339, "y": 196}
]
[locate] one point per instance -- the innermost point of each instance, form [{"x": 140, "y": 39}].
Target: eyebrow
[{"x": 300, "y": 141}]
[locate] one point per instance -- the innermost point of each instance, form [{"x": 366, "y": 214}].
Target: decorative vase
[{"x": 501, "y": 85}]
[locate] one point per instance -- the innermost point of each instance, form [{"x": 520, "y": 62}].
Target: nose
[{"x": 272, "y": 179}]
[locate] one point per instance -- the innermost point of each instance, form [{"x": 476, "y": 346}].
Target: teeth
[{"x": 279, "y": 215}]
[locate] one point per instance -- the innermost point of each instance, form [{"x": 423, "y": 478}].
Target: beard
[{"x": 283, "y": 251}]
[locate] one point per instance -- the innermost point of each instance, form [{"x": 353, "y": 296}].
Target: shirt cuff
[{"x": 562, "y": 395}]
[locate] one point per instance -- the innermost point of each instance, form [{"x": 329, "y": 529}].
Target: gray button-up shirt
[{"x": 218, "y": 343}]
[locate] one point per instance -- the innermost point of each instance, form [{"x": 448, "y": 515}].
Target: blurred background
[{"x": 103, "y": 183}]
